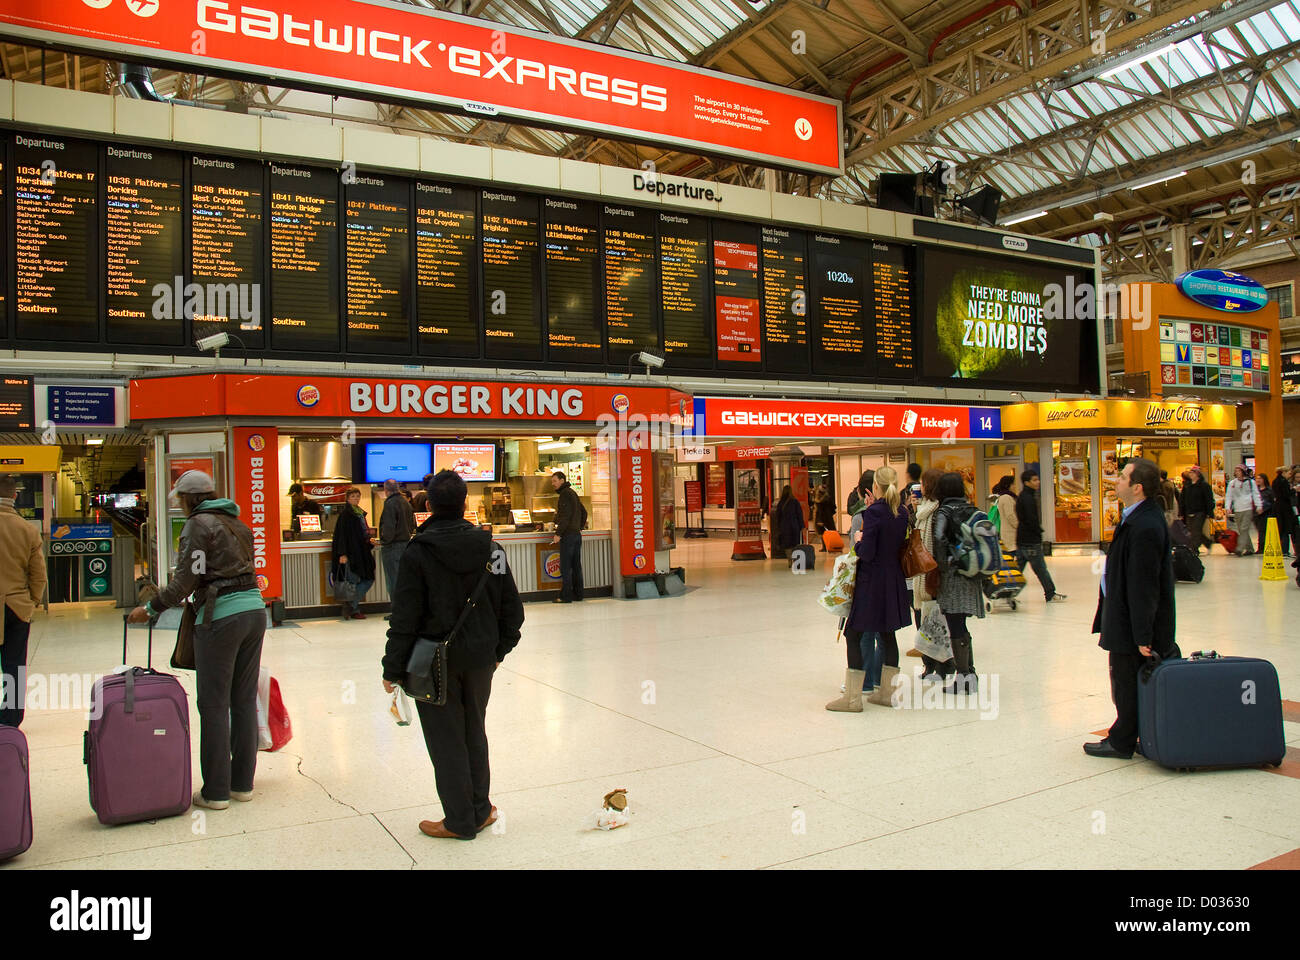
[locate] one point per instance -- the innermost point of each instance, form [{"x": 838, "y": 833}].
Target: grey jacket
[{"x": 397, "y": 521}]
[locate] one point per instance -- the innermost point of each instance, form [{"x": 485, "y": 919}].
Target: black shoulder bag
[{"x": 426, "y": 670}]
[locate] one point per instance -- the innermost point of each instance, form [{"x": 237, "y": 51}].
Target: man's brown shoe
[
  {"x": 432, "y": 828},
  {"x": 492, "y": 818}
]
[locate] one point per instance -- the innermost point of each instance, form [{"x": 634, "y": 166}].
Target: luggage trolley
[{"x": 1005, "y": 584}]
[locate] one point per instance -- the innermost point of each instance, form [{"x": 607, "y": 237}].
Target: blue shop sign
[{"x": 1223, "y": 290}]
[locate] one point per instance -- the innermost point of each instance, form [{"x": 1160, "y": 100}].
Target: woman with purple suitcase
[{"x": 228, "y": 636}]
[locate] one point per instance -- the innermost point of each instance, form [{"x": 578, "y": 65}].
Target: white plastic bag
[
  {"x": 933, "y": 638},
  {"x": 264, "y": 709},
  {"x": 607, "y": 819},
  {"x": 400, "y": 707},
  {"x": 837, "y": 596}
]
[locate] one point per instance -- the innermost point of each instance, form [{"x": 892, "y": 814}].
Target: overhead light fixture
[
  {"x": 1128, "y": 64},
  {"x": 543, "y": 439},
  {"x": 1023, "y": 217},
  {"x": 1164, "y": 179},
  {"x": 552, "y": 445},
  {"x": 94, "y": 441}
]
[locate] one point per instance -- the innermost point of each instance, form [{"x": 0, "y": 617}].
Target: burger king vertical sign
[
  {"x": 255, "y": 473},
  {"x": 636, "y": 508}
]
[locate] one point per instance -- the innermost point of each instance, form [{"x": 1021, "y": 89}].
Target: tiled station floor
[{"x": 708, "y": 708}]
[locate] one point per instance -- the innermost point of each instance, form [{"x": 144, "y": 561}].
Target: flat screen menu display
[
  {"x": 446, "y": 251},
  {"x": 631, "y": 324},
  {"x": 839, "y": 315},
  {"x": 227, "y": 234},
  {"x": 736, "y": 294},
  {"x": 56, "y": 234},
  {"x": 892, "y": 311},
  {"x": 575, "y": 333},
  {"x": 304, "y": 258},
  {"x": 684, "y": 289},
  {"x": 785, "y": 300},
  {"x": 474, "y": 462},
  {"x": 376, "y": 230},
  {"x": 143, "y": 214},
  {"x": 511, "y": 303}
]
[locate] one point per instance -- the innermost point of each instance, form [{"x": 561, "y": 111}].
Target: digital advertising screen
[
  {"x": 227, "y": 236},
  {"x": 403, "y": 462},
  {"x": 472, "y": 461},
  {"x": 631, "y": 321},
  {"x": 446, "y": 257},
  {"x": 785, "y": 300},
  {"x": 377, "y": 255},
  {"x": 1006, "y": 323},
  {"x": 304, "y": 258},
  {"x": 575, "y": 333},
  {"x": 511, "y": 266},
  {"x": 684, "y": 289}
]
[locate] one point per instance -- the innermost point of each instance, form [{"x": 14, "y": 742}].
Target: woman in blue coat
[{"x": 880, "y": 602}]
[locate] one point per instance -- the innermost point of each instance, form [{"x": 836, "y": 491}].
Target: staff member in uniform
[{"x": 300, "y": 504}]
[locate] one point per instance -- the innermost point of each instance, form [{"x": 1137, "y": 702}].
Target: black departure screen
[
  {"x": 377, "y": 234},
  {"x": 227, "y": 233},
  {"x": 893, "y": 312},
  {"x": 839, "y": 314},
  {"x": 630, "y": 318},
  {"x": 446, "y": 252},
  {"x": 56, "y": 234},
  {"x": 574, "y": 331},
  {"x": 684, "y": 289},
  {"x": 511, "y": 260},
  {"x": 785, "y": 300},
  {"x": 304, "y": 258}
]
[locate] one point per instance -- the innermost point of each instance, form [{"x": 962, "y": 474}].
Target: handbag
[
  {"x": 933, "y": 639},
  {"x": 1207, "y": 529},
  {"x": 426, "y": 670},
  {"x": 915, "y": 559},
  {"x": 183, "y": 654},
  {"x": 345, "y": 591}
]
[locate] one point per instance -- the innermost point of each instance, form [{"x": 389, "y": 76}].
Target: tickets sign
[
  {"x": 396, "y": 51},
  {"x": 738, "y": 417}
]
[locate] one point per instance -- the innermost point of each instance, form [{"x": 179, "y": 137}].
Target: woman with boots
[
  {"x": 959, "y": 596},
  {"x": 879, "y": 594},
  {"x": 353, "y": 553},
  {"x": 934, "y": 670}
]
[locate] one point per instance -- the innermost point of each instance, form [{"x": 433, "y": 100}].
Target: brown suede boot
[{"x": 850, "y": 701}]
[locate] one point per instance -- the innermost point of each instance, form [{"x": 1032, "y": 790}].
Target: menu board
[
  {"x": 511, "y": 305},
  {"x": 56, "y": 239},
  {"x": 1219, "y": 355},
  {"x": 142, "y": 224},
  {"x": 446, "y": 254},
  {"x": 304, "y": 258},
  {"x": 574, "y": 329},
  {"x": 785, "y": 300},
  {"x": 736, "y": 294},
  {"x": 227, "y": 232},
  {"x": 892, "y": 311},
  {"x": 474, "y": 462},
  {"x": 684, "y": 289},
  {"x": 839, "y": 285},
  {"x": 377, "y": 257},
  {"x": 630, "y": 321},
  {"x": 1290, "y": 363}
]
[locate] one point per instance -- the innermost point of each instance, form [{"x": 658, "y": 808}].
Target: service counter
[{"x": 305, "y": 565}]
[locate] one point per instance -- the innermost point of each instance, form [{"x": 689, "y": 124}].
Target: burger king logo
[
  {"x": 621, "y": 403},
  {"x": 308, "y": 395},
  {"x": 263, "y": 581},
  {"x": 639, "y": 561},
  {"x": 553, "y": 566},
  {"x": 257, "y": 443}
]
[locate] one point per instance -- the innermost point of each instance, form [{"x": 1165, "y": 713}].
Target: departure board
[
  {"x": 446, "y": 255},
  {"x": 839, "y": 286},
  {"x": 377, "y": 258},
  {"x": 736, "y": 294},
  {"x": 631, "y": 323},
  {"x": 4, "y": 252},
  {"x": 511, "y": 300},
  {"x": 56, "y": 239},
  {"x": 143, "y": 216},
  {"x": 574, "y": 330},
  {"x": 684, "y": 289},
  {"x": 17, "y": 403},
  {"x": 785, "y": 300},
  {"x": 892, "y": 311},
  {"x": 227, "y": 234},
  {"x": 304, "y": 258}
]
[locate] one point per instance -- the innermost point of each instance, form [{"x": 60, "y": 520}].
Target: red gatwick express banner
[
  {"x": 796, "y": 419},
  {"x": 396, "y": 51},
  {"x": 255, "y": 487}
]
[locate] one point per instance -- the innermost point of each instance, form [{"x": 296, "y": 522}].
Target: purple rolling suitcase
[
  {"x": 137, "y": 750},
  {"x": 15, "y": 794}
]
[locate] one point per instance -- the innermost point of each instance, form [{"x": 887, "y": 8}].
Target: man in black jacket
[
  {"x": 396, "y": 525},
  {"x": 1029, "y": 534},
  {"x": 568, "y": 534},
  {"x": 1197, "y": 503},
  {"x": 440, "y": 571},
  {"x": 1135, "y": 613}
]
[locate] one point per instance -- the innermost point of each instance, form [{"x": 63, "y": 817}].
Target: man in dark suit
[{"x": 1135, "y": 615}]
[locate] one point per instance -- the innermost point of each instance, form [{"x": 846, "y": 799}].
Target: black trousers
[
  {"x": 1195, "y": 526},
  {"x": 571, "y": 566},
  {"x": 13, "y": 664},
  {"x": 1124, "y": 669},
  {"x": 228, "y": 658},
  {"x": 456, "y": 736}
]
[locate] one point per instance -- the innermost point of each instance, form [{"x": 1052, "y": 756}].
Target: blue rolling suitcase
[{"x": 1211, "y": 711}]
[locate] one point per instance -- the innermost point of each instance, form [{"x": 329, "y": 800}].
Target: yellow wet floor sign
[{"x": 1273, "y": 563}]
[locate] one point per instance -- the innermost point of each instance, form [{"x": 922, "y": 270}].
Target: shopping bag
[
  {"x": 273, "y": 727},
  {"x": 933, "y": 638},
  {"x": 837, "y": 595},
  {"x": 400, "y": 707}
]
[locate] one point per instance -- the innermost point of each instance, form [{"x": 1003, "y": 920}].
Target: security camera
[
  {"x": 649, "y": 360},
  {"x": 214, "y": 342}
]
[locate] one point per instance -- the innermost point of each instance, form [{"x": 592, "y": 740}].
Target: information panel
[
  {"x": 511, "y": 302},
  {"x": 736, "y": 294},
  {"x": 893, "y": 311},
  {"x": 377, "y": 255},
  {"x": 785, "y": 300},
  {"x": 446, "y": 254},
  {"x": 304, "y": 258},
  {"x": 684, "y": 289},
  {"x": 575, "y": 333},
  {"x": 227, "y": 235},
  {"x": 56, "y": 233},
  {"x": 631, "y": 321},
  {"x": 142, "y": 229},
  {"x": 839, "y": 288},
  {"x": 17, "y": 403}
]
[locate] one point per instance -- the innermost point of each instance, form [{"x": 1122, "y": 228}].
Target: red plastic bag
[{"x": 273, "y": 727}]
